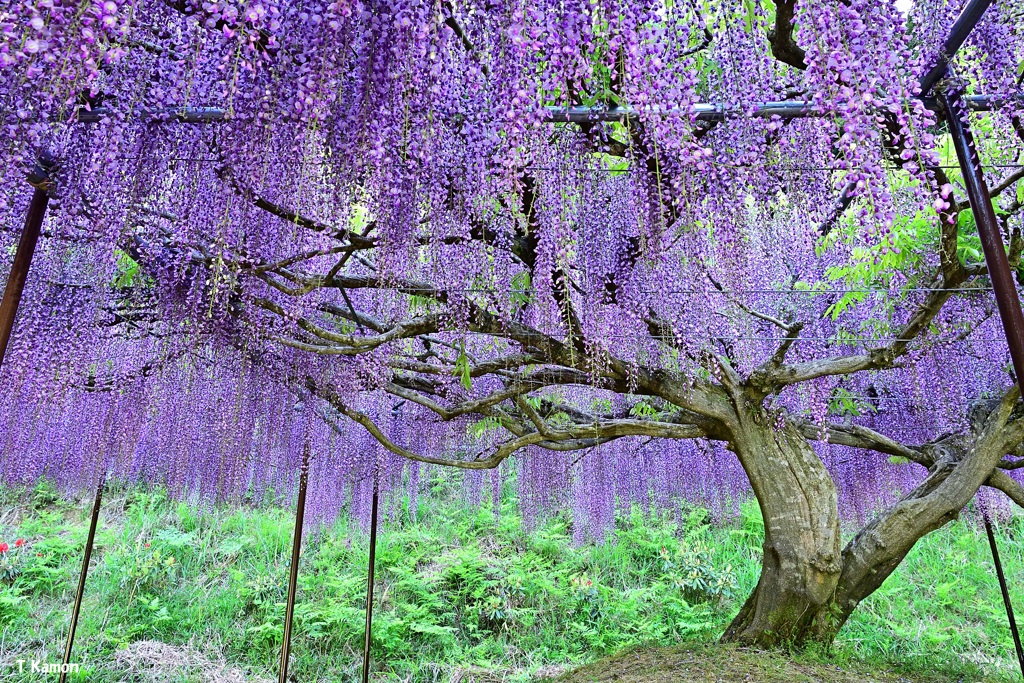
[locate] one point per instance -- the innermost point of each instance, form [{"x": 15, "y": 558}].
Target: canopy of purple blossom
[{"x": 384, "y": 172}]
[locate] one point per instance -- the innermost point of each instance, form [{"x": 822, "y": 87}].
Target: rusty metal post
[
  {"x": 293, "y": 578},
  {"x": 76, "y": 611},
  {"x": 1003, "y": 587},
  {"x": 1003, "y": 285},
  {"x": 369, "y": 576},
  {"x": 962, "y": 27},
  {"x": 988, "y": 226},
  {"x": 40, "y": 180}
]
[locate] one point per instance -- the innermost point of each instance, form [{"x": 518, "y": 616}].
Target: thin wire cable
[
  {"x": 440, "y": 289},
  {"x": 591, "y": 169}
]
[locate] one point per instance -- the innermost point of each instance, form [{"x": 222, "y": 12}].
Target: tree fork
[{"x": 959, "y": 468}]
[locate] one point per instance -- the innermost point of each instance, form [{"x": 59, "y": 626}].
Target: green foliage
[
  {"x": 462, "y": 368},
  {"x": 693, "y": 570},
  {"x": 906, "y": 252},
  {"x": 260, "y": 592},
  {"x": 465, "y": 586},
  {"x": 44, "y": 495},
  {"x": 143, "y": 568},
  {"x": 900, "y": 253},
  {"x": 750, "y": 18},
  {"x": 128, "y": 273},
  {"x": 643, "y": 409},
  {"x": 481, "y": 427},
  {"x": 522, "y": 290},
  {"x": 13, "y": 605},
  {"x": 844, "y": 402}
]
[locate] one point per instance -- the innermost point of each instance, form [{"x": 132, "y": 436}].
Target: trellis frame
[{"x": 950, "y": 102}]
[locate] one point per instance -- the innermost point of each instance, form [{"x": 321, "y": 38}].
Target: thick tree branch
[
  {"x": 1006, "y": 183},
  {"x": 876, "y": 359},
  {"x": 780, "y": 38}
]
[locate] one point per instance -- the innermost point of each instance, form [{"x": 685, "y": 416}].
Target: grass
[{"x": 464, "y": 595}]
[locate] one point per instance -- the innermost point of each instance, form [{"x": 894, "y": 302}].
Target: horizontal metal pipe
[
  {"x": 797, "y": 109},
  {"x": 164, "y": 114},
  {"x": 699, "y": 112}
]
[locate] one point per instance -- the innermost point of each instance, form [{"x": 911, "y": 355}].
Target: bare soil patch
[
  {"x": 156, "y": 662},
  {"x": 714, "y": 663}
]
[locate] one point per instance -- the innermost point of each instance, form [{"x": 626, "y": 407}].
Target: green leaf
[
  {"x": 748, "y": 5},
  {"x": 231, "y": 546},
  {"x": 173, "y": 538},
  {"x": 522, "y": 289},
  {"x": 127, "y": 270},
  {"x": 643, "y": 409},
  {"x": 462, "y": 369},
  {"x": 965, "y": 220}
]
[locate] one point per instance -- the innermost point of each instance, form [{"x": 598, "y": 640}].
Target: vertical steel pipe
[
  {"x": 988, "y": 226},
  {"x": 40, "y": 180},
  {"x": 89, "y": 542},
  {"x": 1006, "y": 592},
  {"x": 1007, "y": 300},
  {"x": 293, "y": 577},
  {"x": 369, "y": 577}
]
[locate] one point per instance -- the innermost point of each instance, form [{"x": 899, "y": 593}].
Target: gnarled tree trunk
[
  {"x": 807, "y": 590},
  {"x": 801, "y": 564},
  {"x": 959, "y": 470}
]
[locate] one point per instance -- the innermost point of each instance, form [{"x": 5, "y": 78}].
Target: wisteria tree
[{"x": 385, "y": 205}]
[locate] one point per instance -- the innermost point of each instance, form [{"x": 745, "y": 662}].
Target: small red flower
[
  {"x": 4, "y": 547},
  {"x": 39, "y": 554},
  {"x": 148, "y": 544},
  {"x": 20, "y": 542}
]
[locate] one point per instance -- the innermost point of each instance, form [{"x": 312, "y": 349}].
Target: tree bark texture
[
  {"x": 960, "y": 469},
  {"x": 808, "y": 588},
  {"x": 801, "y": 563}
]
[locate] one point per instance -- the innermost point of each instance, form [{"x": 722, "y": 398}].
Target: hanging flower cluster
[{"x": 262, "y": 204}]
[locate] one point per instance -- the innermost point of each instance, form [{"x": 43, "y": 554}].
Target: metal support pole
[
  {"x": 988, "y": 226},
  {"x": 369, "y": 578},
  {"x": 962, "y": 27},
  {"x": 289, "y": 610},
  {"x": 40, "y": 180},
  {"x": 81, "y": 578},
  {"x": 1005, "y": 590},
  {"x": 999, "y": 271}
]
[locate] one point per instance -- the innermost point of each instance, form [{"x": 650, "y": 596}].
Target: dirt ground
[{"x": 722, "y": 664}]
